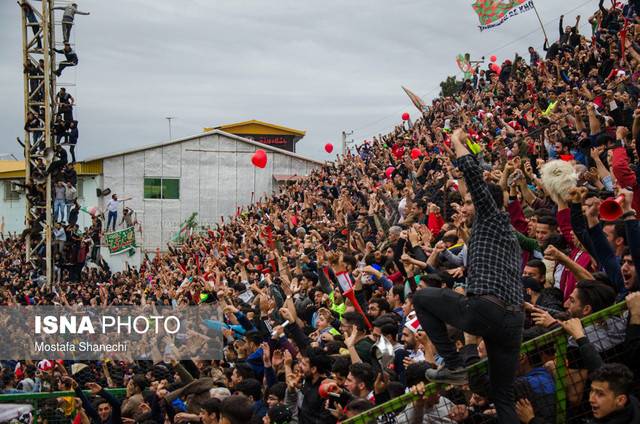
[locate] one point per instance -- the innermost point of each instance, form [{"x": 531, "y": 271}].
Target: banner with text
[
  {"x": 121, "y": 240},
  {"x": 127, "y": 333},
  {"x": 493, "y": 13}
]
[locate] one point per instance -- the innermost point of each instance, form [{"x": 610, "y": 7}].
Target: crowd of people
[{"x": 449, "y": 240}]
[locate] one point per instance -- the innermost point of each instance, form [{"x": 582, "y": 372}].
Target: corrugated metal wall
[{"x": 216, "y": 176}]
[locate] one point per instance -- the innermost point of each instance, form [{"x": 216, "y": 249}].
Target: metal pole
[
  {"x": 48, "y": 41},
  {"x": 540, "y": 20},
  {"x": 344, "y": 141},
  {"x": 169, "y": 118},
  {"x": 27, "y": 136}
]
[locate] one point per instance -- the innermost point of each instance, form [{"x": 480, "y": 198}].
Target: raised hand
[
  {"x": 627, "y": 199},
  {"x": 266, "y": 355},
  {"x": 382, "y": 380},
  {"x": 350, "y": 341},
  {"x": 577, "y": 194},
  {"x": 287, "y": 358},
  {"x": 458, "y": 142},
  {"x": 95, "y": 388},
  {"x": 277, "y": 359}
]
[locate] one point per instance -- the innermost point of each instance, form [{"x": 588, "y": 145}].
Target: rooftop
[
  {"x": 254, "y": 126},
  {"x": 196, "y": 136},
  {"x": 10, "y": 169}
]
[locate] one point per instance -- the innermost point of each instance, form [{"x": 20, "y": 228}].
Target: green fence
[
  {"x": 45, "y": 404},
  {"x": 393, "y": 410}
]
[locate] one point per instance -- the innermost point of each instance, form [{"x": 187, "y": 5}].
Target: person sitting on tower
[{"x": 71, "y": 58}]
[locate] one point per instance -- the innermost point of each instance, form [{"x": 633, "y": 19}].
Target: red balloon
[
  {"x": 415, "y": 153},
  {"x": 328, "y": 147},
  {"x": 259, "y": 158},
  {"x": 406, "y": 116},
  {"x": 493, "y": 58},
  {"x": 389, "y": 171}
]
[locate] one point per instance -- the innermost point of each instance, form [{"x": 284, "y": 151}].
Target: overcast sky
[{"x": 320, "y": 66}]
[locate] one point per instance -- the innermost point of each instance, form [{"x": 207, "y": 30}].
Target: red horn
[
  {"x": 349, "y": 294},
  {"x": 327, "y": 388},
  {"x": 610, "y": 209}
]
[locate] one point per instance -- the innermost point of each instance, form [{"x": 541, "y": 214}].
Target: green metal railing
[
  {"x": 557, "y": 337},
  {"x": 36, "y": 400}
]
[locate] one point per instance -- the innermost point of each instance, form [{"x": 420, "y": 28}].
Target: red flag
[{"x": 623, "y": 39}]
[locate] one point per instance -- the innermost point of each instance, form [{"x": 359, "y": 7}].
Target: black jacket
[
  {"x": 114, "y": 418},
  {"x": 312, "y": 410},
  {"x": 630, "y": 414}
]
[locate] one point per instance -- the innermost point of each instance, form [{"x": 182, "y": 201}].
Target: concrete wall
[
  {"x": 216, "y": 177},
  {"x": 13, "y": 210},
  {"x": 117, "y": 262}
]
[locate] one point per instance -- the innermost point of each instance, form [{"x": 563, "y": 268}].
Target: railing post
[{"x": 560, "y": 377}]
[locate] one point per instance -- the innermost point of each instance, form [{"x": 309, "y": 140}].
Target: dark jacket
[
  {"x": 630, "y": 414},
  {"x": 539, "y": 387},
  {"x": 70, "y": 55},
  {"x": 114, "y": 418},
  {"x": 195, "y": 392},
  {"x": 550, "y": 299},
  {"x": 312, "y": 410}
]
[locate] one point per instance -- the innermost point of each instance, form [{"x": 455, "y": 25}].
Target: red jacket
[{"x": 625, "y": 176}]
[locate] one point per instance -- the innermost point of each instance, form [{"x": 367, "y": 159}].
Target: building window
[
  {"x": 162, "y": 188},
  {"x": 9, "y": 193}
]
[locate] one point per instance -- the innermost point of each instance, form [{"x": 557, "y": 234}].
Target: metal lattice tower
[{"x": 38, "y": 41}]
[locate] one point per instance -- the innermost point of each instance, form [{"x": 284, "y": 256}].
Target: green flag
[
  {"x": 189, "y": 224},
  {"x": 492, "y": 13}
]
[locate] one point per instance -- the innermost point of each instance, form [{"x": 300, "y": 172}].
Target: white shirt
[
  {"x": 59, "y": 234},
  {"x": 112, "y": 206}
]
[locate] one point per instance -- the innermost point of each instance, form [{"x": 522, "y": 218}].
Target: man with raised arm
[
  {"x": 70, "y": 12},
  {"x": 493, "y": 305}
]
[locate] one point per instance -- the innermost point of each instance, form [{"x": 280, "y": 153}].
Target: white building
[{"x": 209, "y": 173}]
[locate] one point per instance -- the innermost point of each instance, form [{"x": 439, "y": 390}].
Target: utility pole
[
  {"x": 169, "y": 119},
  {"x": 345, "y": 134}
]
